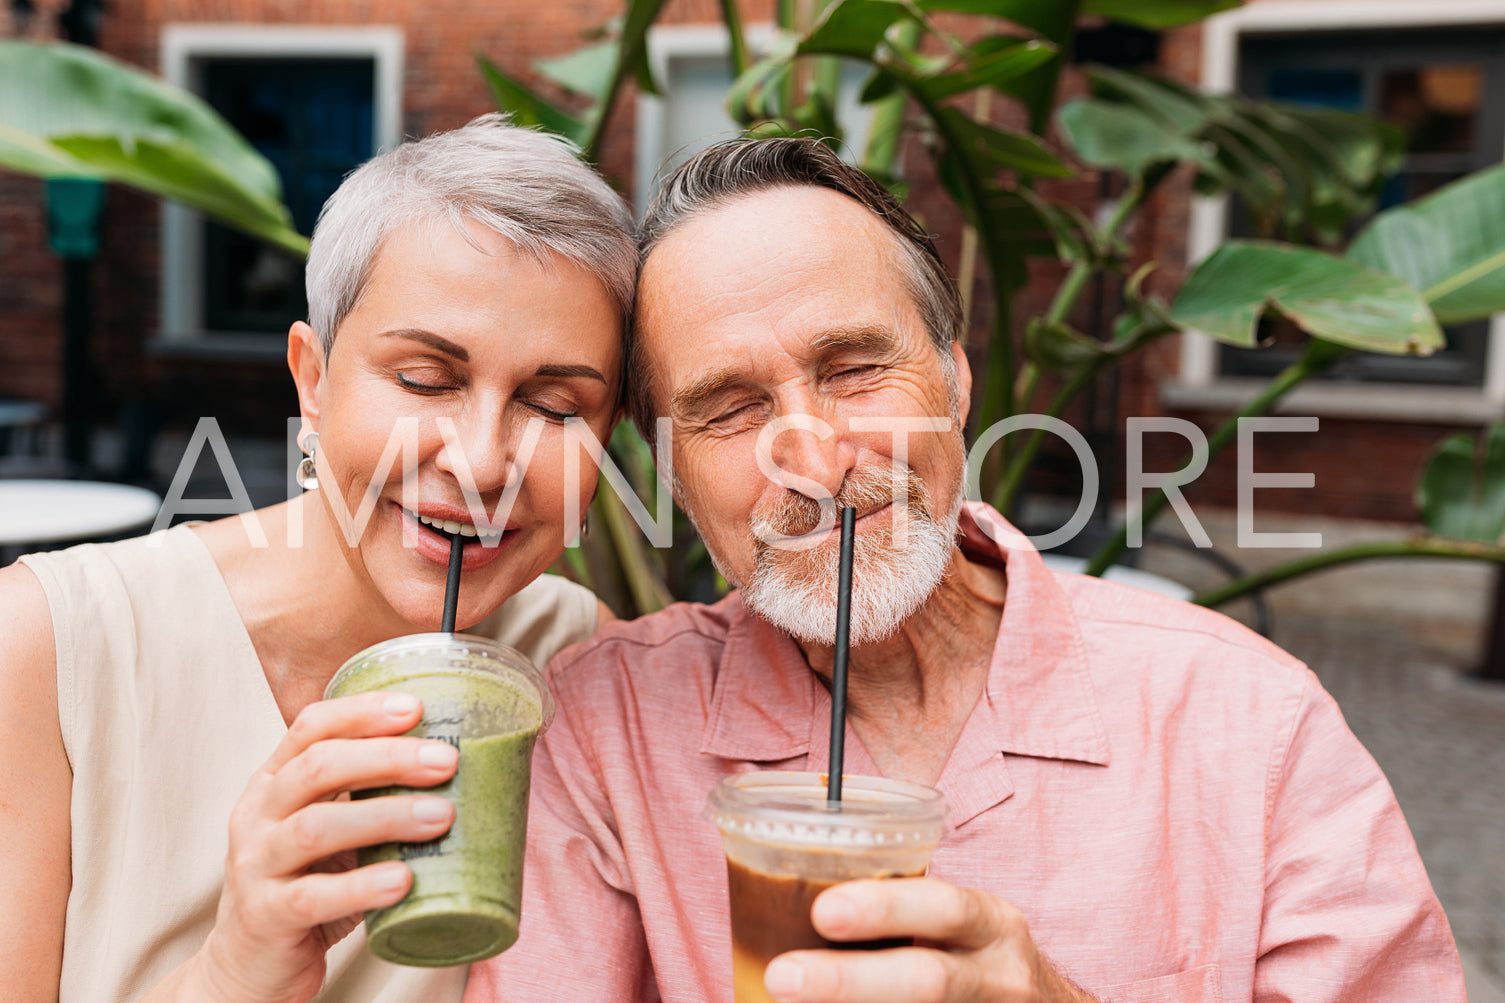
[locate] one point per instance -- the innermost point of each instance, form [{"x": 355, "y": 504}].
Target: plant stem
[
  {"x": 1317, "y": 357},
  {"x": 732, "y": 17},
  {"x": 888, "y": 117},
  {"x": 1423, "y": 546}
]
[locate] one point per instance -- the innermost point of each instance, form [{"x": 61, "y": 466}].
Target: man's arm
[{"x": 1349, "y": 913}]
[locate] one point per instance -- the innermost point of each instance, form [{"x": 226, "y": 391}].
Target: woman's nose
[{"x": 478, "y": 454}]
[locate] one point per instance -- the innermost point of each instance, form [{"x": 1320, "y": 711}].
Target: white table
[
  {"x": 1126, "y": 576},
  {"x": 53, "y": 511}
]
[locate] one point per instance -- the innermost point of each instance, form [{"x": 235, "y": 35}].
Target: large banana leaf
[
  {"x": 1157, "y": 14},
  {"x": 1450, "y": 245},
  {"x": 1328, "y": 297},
  {"x": 1462, "y": 491},
  {"x": 70, "y": 111}
]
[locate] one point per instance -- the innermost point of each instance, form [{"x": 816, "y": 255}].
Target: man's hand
[{"x": 969, "y": 946}]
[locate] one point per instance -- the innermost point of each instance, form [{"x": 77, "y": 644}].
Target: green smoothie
[{"x": 467, "y": 885}]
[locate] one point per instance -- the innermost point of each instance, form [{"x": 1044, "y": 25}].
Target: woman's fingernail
[
  {"x": 431, "y": 809},
  {"x": 389, "y": 879},
  {"x": 400, "y": 704},
  {"x": 437, "y": 754},
  {"x": 783, "y": 978}
]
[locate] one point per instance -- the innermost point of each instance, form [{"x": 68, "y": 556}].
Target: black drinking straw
[
  {"x": 452, "y": 584},
  {"x": 839, "y": 666}
]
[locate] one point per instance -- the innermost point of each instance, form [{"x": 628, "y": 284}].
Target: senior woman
[{"x": 172, "y": 790}]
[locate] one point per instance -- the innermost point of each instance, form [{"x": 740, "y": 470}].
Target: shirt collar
[{"x": 1040, "y": 698}]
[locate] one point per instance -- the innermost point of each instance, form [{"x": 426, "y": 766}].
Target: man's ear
[
  {"x": 963, "y": 380},
  {"x": 305, "y": 358}
]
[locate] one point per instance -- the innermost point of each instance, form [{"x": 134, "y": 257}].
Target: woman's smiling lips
[{"x": 428, "y": 532}]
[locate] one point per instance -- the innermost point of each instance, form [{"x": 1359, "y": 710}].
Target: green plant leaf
[
  {"x": 1157, "y": 14},
  {"x": 1058, "y": 348},
  {"x": 1123, "y": 137},
  {"x": 1183, "y": 110},
  {"x": 526, "y": 107},
  {"x": 990, "y": 63},
  {"x": 1450, "y": 245},
  {"x": 1000, "y": 148},
  {"x": 1328, "y": 297},
  {"x": 1462, "y": 491},
  {"x": 585, "y": 71},
  {"x": 855, "y": 28},
  {"x": 27, "y": 154},
  {"x": 1044, "y": 16},
  {"x": 180, "y": 171},
  {"x": 71, "y": 111}
]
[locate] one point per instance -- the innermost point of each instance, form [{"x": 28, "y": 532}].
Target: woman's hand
[
  {"x": 291, "y": 887},
  {"x": 976, "y": 947}
]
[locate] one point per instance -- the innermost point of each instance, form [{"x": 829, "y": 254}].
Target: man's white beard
[{"x": 795, "y": 589}]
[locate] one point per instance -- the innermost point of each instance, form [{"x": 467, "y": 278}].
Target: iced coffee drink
[{"x": 785, "y": 844}]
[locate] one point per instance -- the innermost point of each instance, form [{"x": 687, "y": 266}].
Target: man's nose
[{"x": 813, "y": 455}]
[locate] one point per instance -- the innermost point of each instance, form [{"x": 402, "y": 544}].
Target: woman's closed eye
[{"x": 427, "y": 381}]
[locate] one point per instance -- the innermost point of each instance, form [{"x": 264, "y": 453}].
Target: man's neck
[{"x": 909, "y": 696}]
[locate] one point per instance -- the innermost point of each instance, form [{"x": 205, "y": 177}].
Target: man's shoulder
[
  {"x": 1122, "y": 609},
  {"x": 676, "y": 638}
]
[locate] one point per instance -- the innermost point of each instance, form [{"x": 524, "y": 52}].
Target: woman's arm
[{"x": 35, "y": 786}]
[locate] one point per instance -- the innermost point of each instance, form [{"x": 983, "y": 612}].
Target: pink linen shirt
[{"x": 1174, "y": 803}]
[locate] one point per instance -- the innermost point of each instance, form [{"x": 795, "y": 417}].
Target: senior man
[{"x": 1146, "y": 801}]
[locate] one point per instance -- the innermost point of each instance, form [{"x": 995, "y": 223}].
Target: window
[
  {"x": 692, "y": 65},
  {"x": 316, "y": 102},
  {"x": 1428, "y": 68}
]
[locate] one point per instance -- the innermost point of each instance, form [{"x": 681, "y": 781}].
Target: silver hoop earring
[{"x": 308, "y": 474}]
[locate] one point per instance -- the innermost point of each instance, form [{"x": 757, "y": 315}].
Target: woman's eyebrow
[
  {"x": 430, "y": 339},
  {"x": 566, "y": 371}
]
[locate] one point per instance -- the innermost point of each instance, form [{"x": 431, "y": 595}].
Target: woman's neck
[{"x": 304, "y": 607}]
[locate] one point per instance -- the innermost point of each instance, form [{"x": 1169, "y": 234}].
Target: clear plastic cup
[
  {"x": 491, "y": 703},
  {"x": 785, "y": 844}
]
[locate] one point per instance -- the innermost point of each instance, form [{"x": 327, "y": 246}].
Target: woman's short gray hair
[
  {"x": 731, "y": 170},
  {"x": 528, "y": 187}
]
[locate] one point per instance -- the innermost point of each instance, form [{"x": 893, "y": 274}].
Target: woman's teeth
[{"x": 454, "y": 528}]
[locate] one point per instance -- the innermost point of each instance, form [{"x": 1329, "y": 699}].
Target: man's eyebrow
[
  {"x": 690, "y": 398},
  {"x": 563, "y": 371},
  {"x": 867, "y": 338},
  {"x": 430, "y": 339}
]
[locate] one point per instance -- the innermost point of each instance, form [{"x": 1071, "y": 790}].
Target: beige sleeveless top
[{"x": 165, "y": 714}]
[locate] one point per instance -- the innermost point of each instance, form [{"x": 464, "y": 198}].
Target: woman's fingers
[
  {"x": 364, "y": 715},
  {"x": 321, "y": 830},
  {"x": 310, "y": 901},
  {"x": 333, "y": 765}
]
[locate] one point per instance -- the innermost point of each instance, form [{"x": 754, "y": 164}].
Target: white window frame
[
  {"x": 679, "y": 41},
  {"x": 185, "y": 47},
  {"x": 1199, "y": 384}
]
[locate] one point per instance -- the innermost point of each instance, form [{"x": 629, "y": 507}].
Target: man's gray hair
[
  {"x": 527, "y": 187},
  {"x": 737, "y": 168}
]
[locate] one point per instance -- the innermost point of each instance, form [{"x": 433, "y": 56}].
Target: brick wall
[{"x": 1364, "y": 469}]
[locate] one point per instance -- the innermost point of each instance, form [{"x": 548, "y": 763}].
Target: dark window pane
[
  {"x": 1431, "y": 84},
  {"x": 312, "y": 118}
]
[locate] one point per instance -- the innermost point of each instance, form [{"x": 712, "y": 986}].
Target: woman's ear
[{"x": 305, "y": 358}]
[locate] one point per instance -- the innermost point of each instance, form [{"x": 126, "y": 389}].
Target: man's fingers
[
  {"x": 900, "y": 975},
  {"x": 334, "y": 765},
  {"x": 364, "y": 715},
  {"x": 322, "y": 830},
  {"x": 936, "y": 911}
]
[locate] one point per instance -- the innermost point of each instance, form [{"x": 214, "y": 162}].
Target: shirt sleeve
[
  {"x": 1349, "y": 913},
  {"x": 581, "y": 934}
]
